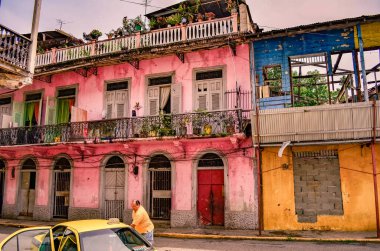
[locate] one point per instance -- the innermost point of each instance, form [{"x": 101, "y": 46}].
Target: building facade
[{"x": 161, "y": 116}]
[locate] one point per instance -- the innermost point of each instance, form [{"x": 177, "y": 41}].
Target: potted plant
[
  {"x": 229, "y": 124},
  {"x": 153, "y": 23},
  {"x": 162, "y": 22},
  {"x": 110, "y": 34},
  {"x": 197, "y": 121},
  {"x": 144, "y": 128},
  {"x": 138, "y": 24},
  {"x": 174, "y": 19},
  {"x": 210, "y": 15},
  {"x": 199, "y": 17},
  {"x": 153, "y": 132},
  {"x": 93, "y": 35},
  {"x": 231, "y": 6}
]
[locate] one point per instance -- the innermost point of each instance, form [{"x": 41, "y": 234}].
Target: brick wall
[{"x": 317, "y": 188}]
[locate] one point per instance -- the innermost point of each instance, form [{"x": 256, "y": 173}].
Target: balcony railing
[
  {"x": 340, "y": 122},
  {"x": 194, "y": 31},
  {"x": 14, "y": 48},
  {"x": 210, "y": 124}
]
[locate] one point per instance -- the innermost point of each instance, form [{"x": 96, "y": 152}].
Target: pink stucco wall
[{"x": 91, "y": 90}]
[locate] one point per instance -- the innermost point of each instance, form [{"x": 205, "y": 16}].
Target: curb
[{"x": 262, "y": 238}]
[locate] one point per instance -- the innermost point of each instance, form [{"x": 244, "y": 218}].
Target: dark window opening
[
  {"x": 159, "y": 161},
  {"x": 117, "y": 86},
  {"x": 272, "y": 81},
  {"x": 29, "y": 164},
  {"x": 62, "y": 164},
  {"x": 160, "y": 81},
  {"x": 5, "y": 101},
  {"x": 209, "y": 75},
  {"x": 33, "y": 97},
  {"x": 66, "y": 92},
  {"x": 115, "y": 162},
  {"x": 210, "y": 160}
]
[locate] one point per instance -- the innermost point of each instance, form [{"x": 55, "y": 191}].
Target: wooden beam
[{"x": 337, "y": 62}]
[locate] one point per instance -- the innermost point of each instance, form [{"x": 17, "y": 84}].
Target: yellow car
[{"x": 81, "y": 235}]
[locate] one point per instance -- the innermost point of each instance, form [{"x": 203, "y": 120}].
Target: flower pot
[
  {"x": 196, "y": 131},
  {"x": 230, "y": 129},
  {"x": 207, "y": 129},
  {"x": 152, "y": 133}
]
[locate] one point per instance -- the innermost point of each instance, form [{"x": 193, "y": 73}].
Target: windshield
[{"x": 119, "y": 239}]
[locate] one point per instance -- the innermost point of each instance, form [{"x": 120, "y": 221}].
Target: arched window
[
  {"x": 115, "y": 162},
  {"x": 210, "y": 160},
  {"x": 159, "y": 161},
  {"x": 62, "y": 164},
  {"x": 29, "y": 164}
]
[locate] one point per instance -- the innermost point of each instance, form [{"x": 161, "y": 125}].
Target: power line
[{"x": 145, "y": 3}]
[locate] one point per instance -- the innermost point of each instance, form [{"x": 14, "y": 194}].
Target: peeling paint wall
[
  {"x": 276, "y": 51},
  {"x": 356, "y": 186},
  {"x": 370, "y": 34}
]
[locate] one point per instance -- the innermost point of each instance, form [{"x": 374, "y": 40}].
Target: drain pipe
[{"x": 373, "y": 149}]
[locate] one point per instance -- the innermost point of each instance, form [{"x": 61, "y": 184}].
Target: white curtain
[{"x": 164, "y": 96}]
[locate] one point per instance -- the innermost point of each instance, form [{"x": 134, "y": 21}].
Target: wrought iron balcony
[
  {"x": 154, "y": 38},
  {"x": 14, "y": 48},
  {"x": 202, "y": 124}
]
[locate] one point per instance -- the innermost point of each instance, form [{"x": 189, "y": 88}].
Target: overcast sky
[{"x": 84, "y": 15}]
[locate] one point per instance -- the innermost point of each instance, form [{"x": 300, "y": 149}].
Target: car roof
[{"x": 91, "y": 225}]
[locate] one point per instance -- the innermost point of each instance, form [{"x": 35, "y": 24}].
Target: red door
[{"x": 210, "y": 203}]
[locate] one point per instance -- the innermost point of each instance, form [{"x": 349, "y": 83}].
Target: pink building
[{"x": 160, "y": 116}]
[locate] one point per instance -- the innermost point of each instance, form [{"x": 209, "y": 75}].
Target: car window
[
  {"x": 69, "y": 242},
  {"x": 57, "y": 236},
  {"x": 46, "y": 243},
  {"x": 28, "y": 240},
  {"x": 121, "y": 239}
]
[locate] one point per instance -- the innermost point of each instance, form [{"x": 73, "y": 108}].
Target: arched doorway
[
  {"x": 2, "y": 184},
  {"x": 61, "y": 184},
  {"x": 28, "y": 187},
  {"x": 114, "y": 183},
  {"x": 210, "y": 200},
  {"x": 160, "y": 185}
]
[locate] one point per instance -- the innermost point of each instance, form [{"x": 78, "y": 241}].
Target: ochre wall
[
  {"x": 370, "y": 34},
  {"x": 355, "y": 162}
]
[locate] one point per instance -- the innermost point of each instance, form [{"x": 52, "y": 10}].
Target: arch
[
  {"x": 210, "y": 160},
  {"x": 114, "y": 177},
  {"x": 159, "y": 186},
  {"x": 115, "y": 162},
  {"x": 29, "y": 164},
  {"x": 211, "y": 181},
  {"x": 159, "y": 161},
  {"x": 2, "y": 165},
  {"x": 62, "y": 163}
]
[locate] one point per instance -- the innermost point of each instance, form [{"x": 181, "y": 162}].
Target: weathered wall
[
  {"x": 356, "y": 187},
  {"x": 370, "y": 35},
  {"x": 90, "y": 94},
  {"x": 87, "y": 195},
  {"x": 276, "y": 51}
]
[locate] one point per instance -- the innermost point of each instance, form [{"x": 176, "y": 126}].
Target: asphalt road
[{"x": 168, "y": 244}]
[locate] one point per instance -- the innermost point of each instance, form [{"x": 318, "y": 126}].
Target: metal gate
[
  {"x": 62, "y": 173},
  {"x": 160, "y": 187},
  {"x": 61, "y": 193},
  {"x": 114, "y": 193}
]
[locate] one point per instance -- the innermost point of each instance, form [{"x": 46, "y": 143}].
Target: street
[{"x": 168, "y": 244}]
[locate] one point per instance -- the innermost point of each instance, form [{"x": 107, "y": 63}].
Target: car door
[
  {"x": 28, "y": 239},
  {"x": 69, "y": 241}
]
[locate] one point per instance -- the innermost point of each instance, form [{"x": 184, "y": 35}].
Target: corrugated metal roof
[{"x": 327, "y": 25}]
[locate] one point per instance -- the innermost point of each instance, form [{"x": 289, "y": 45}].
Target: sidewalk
[{"x": 220, "y": 233}]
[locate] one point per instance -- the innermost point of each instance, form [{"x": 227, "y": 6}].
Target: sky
[{"x": 84, "y": 15}]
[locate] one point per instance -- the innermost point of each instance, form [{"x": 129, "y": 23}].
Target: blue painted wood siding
[{"x": 276, "y": 51}]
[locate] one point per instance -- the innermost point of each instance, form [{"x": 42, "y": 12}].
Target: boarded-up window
[{"x": 317, "y": 188}]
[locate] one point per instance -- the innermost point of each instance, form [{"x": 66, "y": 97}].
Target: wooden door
[
  {"x": 27, "y": 193},
  {"x": 210, "y": 202}
]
